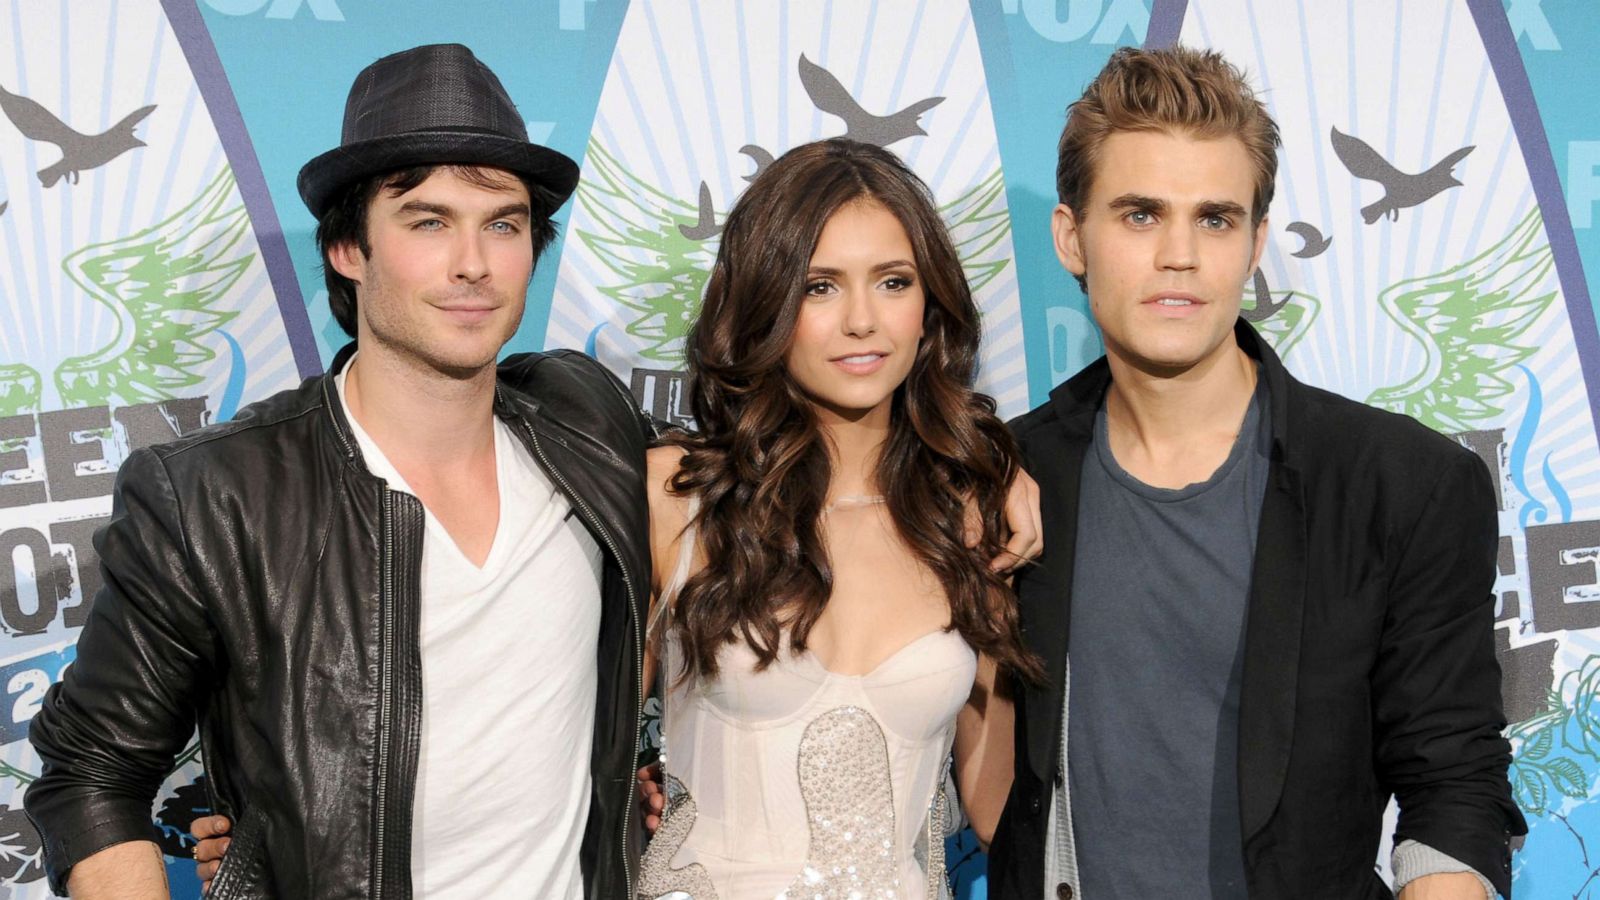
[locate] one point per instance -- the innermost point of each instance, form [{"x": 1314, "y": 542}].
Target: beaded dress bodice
[{"x": 797, "y": 782}]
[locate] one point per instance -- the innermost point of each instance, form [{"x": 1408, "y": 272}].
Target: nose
[
  {"x": 1177, "y": 250},
  {"x": 860, "y": 313},
  {"x": 470, "y": 264}
]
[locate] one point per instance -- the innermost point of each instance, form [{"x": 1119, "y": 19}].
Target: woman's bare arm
[{"x": 984, "y": 750}]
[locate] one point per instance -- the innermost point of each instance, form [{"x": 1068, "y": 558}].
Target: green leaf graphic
[
  {"x": 1568, "y": 777},
  {"x": 1539, "y": 747},
  {"x": 1528, "y": 789}
]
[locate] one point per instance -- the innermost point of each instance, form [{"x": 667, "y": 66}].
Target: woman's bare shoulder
[
  {"x": 666, "y": 507},
  {"x": 661, "y": 466}
]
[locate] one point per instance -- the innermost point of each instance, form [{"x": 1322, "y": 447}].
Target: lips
[
  {"x": 861, "y": 363},
  {"x": 467, "y": 314},
  {"x": 1174, "y": 304}
]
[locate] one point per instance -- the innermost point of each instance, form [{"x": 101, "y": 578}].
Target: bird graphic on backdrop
[
  {"x": 1400, "y": 189},
  {"x": 1266, "y": 304},
  {"x": 79, "y": 151},
  {"x": 828, "y": 95},
  {"x": 758, "y": 155},
  {"x": 705, "y": 224},
  {"x": 1313, "y": 243}
]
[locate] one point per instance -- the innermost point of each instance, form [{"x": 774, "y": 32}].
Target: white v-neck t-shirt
[{"x": 509, "y": 655}]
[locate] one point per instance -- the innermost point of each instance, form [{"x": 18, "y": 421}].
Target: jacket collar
[{"x": 337, "y": 420}]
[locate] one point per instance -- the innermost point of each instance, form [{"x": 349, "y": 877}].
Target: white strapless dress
[{"x": 796, "y": 782}]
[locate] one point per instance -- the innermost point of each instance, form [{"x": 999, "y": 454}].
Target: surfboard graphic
[
  {"x": 1420, "y": 262},
  {"x": 135, "y": 305},
  {"x": 699, "y": 96}
]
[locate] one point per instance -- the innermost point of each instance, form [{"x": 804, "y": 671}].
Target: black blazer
[{"x": 1369, "y": 667}]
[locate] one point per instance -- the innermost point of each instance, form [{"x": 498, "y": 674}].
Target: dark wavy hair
[{"x": 760, "y": 464}]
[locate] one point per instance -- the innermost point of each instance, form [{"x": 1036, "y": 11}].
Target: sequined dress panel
[{"x": 798, "y": 782}]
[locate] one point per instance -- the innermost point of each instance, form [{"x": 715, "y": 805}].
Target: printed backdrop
[{"x": 1434, "y": 224}]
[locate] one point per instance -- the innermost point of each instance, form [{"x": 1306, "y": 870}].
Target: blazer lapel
[
  {"x": 1055, "y": 454},
  {"x": 1275, "y": 613},
  {"x": 1046, "y": 591}
]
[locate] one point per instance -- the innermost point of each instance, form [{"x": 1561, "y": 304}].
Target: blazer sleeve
[
  {"x": 1436, "y": 683},
  {"x": 108, "y": 733}
]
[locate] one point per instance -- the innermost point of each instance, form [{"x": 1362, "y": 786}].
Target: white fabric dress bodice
[{"x": 798, "y": 782}]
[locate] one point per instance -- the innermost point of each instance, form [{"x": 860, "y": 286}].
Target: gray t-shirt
[{"x": 1160, "y": 586}]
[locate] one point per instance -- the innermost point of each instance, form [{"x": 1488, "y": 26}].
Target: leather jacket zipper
[
  {"x": 638, "y": 639},
  {"x": 385, "y": 698},
  {"x": 387, "y": 653}
]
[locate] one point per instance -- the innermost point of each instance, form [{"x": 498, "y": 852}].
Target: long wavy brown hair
[{"x": 760, "y": 464}]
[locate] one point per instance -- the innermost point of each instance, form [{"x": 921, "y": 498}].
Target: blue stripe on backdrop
[
  {"x": 214, "y": 86},
  {"x": 1038, "y": 55}
]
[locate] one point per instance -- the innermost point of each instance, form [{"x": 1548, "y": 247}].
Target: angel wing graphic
[
  {"x": 661, "y": 273},
  {"x": 165, "y": 286},
  {"x": 638, "y": 234},
  {"x": 19, "y": 389},
  {"x": 978, "y": 221},
  {"x": 1469, "y": 319}
]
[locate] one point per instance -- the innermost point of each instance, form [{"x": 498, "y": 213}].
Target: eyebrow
[
  {"x": 1221, "y": 208},
  {"x": 1139, "y": 202},
  {"x": 1203, "y": 209},
  {"x": 880, "y": 267},
  {"x": 436, "y": 209}
]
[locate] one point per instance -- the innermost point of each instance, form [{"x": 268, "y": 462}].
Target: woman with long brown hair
[{"x": 826, "y": 617}]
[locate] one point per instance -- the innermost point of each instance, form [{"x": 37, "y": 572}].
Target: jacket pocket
[{"x": 243, "y": 874}]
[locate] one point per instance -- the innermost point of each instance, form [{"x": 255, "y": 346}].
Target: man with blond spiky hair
[{"x": 1276, "y": 602}]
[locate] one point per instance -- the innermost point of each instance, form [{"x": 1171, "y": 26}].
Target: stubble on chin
[{"x": 455, "y": 352}]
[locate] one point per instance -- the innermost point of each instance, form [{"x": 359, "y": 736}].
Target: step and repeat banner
[{"x": 1432, "y": 237}]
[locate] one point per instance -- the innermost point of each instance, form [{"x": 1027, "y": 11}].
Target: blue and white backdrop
[{"x": 1431, "y": 236}]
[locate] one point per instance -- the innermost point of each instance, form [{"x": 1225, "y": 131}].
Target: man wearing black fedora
[{"x": 400, "y": 601}]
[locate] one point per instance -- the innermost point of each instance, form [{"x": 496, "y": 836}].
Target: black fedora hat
[{"x": 432, "y": 105}]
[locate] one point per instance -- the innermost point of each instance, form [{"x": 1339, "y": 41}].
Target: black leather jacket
[{"x": 259, "y": 579}]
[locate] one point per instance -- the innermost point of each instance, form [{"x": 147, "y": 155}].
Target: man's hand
[
  {"x": 1024, "y": 522},
  {"x": 133, "y": 870},
  {"x": 1445, "y": 886},
  {"x": 652, "y": 799},
  {"x": 211, "y": 831}
]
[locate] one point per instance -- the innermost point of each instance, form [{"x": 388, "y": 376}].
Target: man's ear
[
  {"x": 1068, "y": 240},
  {"x": 347, "y": 259}
]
